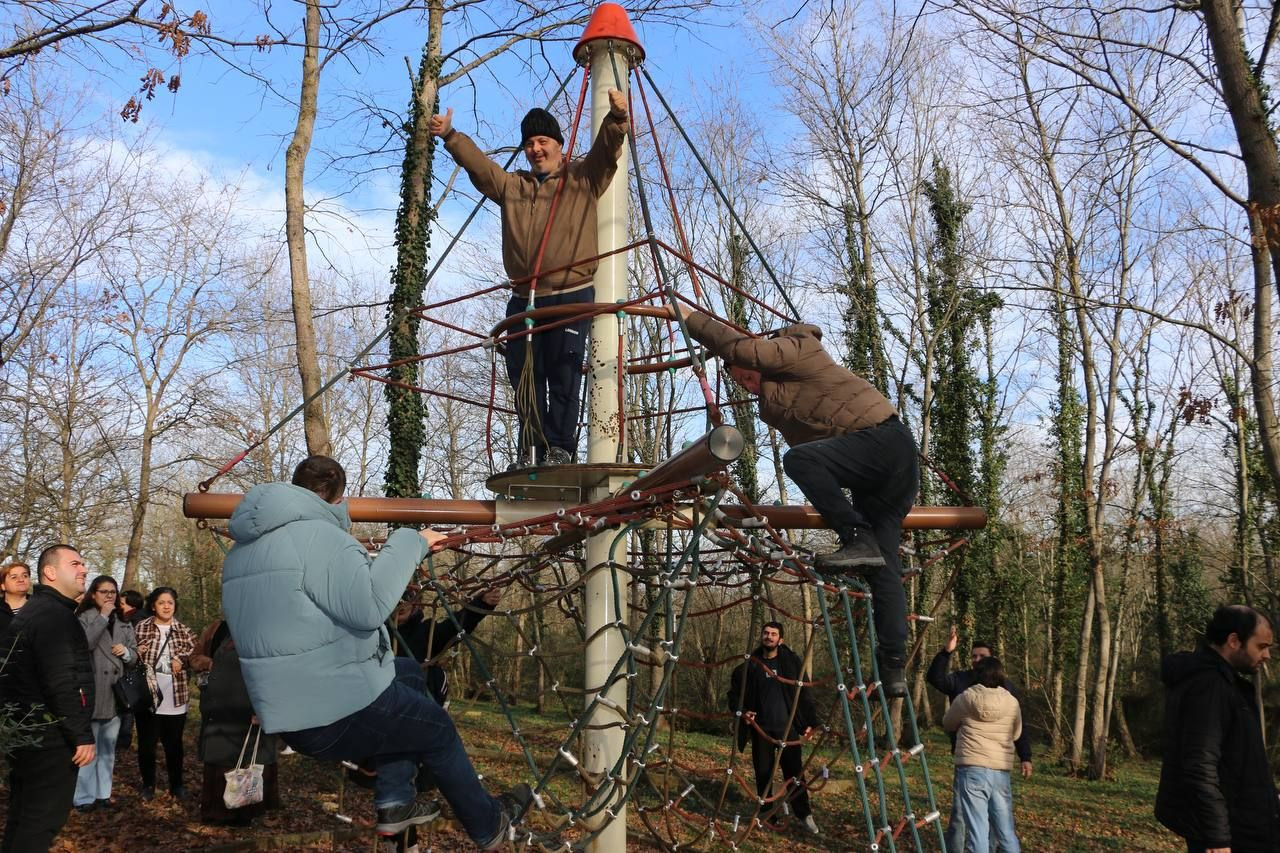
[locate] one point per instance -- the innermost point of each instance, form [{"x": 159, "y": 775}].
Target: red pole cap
[{"x": 609, "y": 21}]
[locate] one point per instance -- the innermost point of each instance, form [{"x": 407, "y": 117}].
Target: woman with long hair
[
  {"x": 15, "y": 581},
  {"x": 164, "y": 646},
  {"x": 113, "y": 647}
]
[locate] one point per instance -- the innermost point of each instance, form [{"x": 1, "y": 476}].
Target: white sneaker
[
  {"x": 288, "y": 750},
  {"x": 811, "y": 826}
]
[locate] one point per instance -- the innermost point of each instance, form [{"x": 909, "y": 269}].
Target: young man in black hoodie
[
  {"x": 48, "y": 671},
  {"x": 763, "y": 691},
  {"x": 1216, "y": 789}
]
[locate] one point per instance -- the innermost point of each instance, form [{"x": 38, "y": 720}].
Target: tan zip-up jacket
[
  {"x": 526, "y": 203},
  {"x": 804, "y": 393}
]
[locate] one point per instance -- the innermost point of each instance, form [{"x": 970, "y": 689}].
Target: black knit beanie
[{"x": 539, "y": 122}]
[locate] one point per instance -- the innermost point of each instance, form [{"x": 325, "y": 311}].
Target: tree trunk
[
  {"x": 1251, "y": 117},
  {"x": 1082, "y": 682},
  {"x": 315, "y": 425},
  {"x": 406, "y": 412}
]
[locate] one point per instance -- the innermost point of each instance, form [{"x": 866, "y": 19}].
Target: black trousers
[
  {"x": 42, "y": 784},
  {"x": 167, "y": 729},
  {"x": 880, "y": 467},
  {"x": 551, "y": 418},
  {"x": 762, "y": 753}
]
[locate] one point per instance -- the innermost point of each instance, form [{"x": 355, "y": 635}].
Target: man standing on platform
[
  {"x": 48, "y": 673},
  {"x": 556, "y": 263},
  {"x": 843, "y": 434}
]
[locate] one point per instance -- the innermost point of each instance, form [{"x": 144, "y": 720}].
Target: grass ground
[{"x": 1054, "y": 811}]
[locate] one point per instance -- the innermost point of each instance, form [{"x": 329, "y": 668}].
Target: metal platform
[{"x": 571, "y": 484}]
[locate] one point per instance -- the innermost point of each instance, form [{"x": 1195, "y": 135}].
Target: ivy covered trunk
[{"x": 405, "y": 410}]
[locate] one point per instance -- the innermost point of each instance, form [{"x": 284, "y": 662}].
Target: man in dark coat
[
  {"x": 763, "y": 691},
  {"x": 951, "y": 685},
  {"x": 1216, "y": 789},
  {"x": 49, "y": 671},
  {"x": 843, "y": 435}
]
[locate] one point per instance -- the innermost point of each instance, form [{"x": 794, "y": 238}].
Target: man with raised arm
[
  {"x": 951, "y": 685},
  {"x": 843, "y": 434},
  {"x": 558, "y": 263}
]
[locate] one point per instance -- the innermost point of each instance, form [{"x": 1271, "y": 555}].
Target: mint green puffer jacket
[{"x": 306, "y": 605}]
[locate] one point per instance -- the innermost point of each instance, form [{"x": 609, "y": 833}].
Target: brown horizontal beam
[{"x": 425, "y": 511}]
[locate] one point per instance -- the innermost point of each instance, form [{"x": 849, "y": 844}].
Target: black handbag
[{"x": 131, "y": 691}]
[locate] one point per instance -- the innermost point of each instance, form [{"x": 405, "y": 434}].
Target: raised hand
[
  {"x": 442, "y": 124},
  {"x": 617, "y": 103}
]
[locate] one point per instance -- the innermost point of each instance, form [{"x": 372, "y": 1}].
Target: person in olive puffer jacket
[
  {"x": 48, "y": 671},
  {"x": 843, "y": 434}
]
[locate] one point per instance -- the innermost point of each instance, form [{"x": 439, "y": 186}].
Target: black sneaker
[
  {"x": 512, "y": 806},
  {"x": 521, "y": 461},
  {"x": 858, "y": 551},
  {"x": 396, "y": 819},
  {"x": 893, "y": 678},
  {"x": 560, "y": 456}
]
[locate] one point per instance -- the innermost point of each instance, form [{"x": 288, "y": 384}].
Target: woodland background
[{"x": 1046, "y": 231}]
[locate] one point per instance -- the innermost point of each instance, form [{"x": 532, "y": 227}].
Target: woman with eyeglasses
[
  {"x": 15, "y": 581},
  {"x": 165, "y": 646},
  {"x": 113, "y": 647}
]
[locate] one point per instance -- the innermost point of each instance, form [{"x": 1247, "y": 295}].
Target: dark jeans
[
  {"x": 762, "y": 753},
  {"x": 880, "y": 467},
  {"x": 557, "y": 375},
  {"x": 167, "y": 729},
  {"x": 402, "y": 728},
  {"x": 42, "y": 783},
  {"x": 125, "y": 740}
]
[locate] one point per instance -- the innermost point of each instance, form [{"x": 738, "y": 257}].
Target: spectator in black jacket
[
  {"x": 1216, "y": 789},
  {"x": 425, "y": 640},
  {"x": 951, "y": 685},
  {"x": 763, "y": 692},
  {"x": 49, "y": 671}
]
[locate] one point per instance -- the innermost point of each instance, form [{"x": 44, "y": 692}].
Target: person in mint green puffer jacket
[{"x": 306, "y": 605}]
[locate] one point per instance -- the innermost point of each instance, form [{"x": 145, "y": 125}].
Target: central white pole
[{"x": 606, "y": 442}]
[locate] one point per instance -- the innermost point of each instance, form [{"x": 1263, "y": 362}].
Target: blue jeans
[
  {"x": 402, "y": 728},
  {"x": 93, "y": 782},
  {"x": 986, "y": 806}
]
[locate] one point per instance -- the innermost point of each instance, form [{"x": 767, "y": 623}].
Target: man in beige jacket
[
  {"x": 987, "y": 720},
  {"x": 558, "y": 265}
]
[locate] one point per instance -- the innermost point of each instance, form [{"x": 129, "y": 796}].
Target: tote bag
[{"x": 244, "y": 783}]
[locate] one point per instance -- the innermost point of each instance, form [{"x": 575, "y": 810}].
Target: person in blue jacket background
[{"x": 307, "y": 606}]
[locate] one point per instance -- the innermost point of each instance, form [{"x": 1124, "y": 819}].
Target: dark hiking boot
[
  {"x": 512, "y": 806},
  {"x": 858, "y": 553},
  {"x": 396, "y": 819},
  {"x": 893, "y": 677}
]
